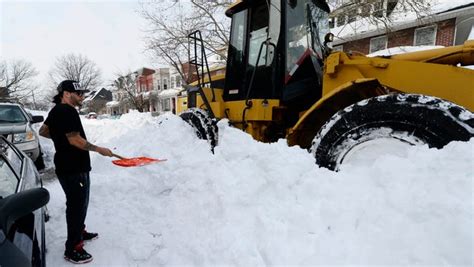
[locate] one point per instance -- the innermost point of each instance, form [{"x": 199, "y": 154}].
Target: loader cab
[{"x": 276, "y": 50}]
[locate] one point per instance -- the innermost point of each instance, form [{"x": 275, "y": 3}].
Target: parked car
[
  {"x": 91, "y": 115},
  {"x": 16, "y": 124},
  {"x": 22, "y": 209}
]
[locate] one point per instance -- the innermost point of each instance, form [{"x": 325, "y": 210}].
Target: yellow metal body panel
[
  {"x": 205, "y": 78},
  {"x": 452, "y": 55},
  {"x": 216, "y": 105},
  {"x": 261, "y": 110},
  {"x": 452, "y": 83},
  {"x": 320, "y": 112},
  {"x": 182, "y": 104},
  {"x": 349, "y": 79},
  {"x": 257, "y": 118}
]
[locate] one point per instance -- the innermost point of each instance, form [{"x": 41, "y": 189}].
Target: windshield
[
  {"x": 306, "y": 25},
  {"x": 319, "y": 25},
  {"x": 11, "y": 114},
  {"x": 298, "y": 36}
]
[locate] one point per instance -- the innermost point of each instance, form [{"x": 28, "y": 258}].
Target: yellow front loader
[{"x": 283, "y": 81}]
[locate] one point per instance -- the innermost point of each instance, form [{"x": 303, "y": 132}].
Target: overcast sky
[{"x": 108, "y": 32}]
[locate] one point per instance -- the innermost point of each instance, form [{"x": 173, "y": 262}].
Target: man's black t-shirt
[{"x": 63, "y": 119}]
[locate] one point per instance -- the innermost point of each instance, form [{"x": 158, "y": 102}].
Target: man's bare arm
[
  {"x": 44, "y": 131},
  {"x": 76, "y": 140}
]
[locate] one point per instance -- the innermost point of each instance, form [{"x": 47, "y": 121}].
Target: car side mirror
[
  {"x": 36, "y": 119},
  {"x": 20, "y": 204}
]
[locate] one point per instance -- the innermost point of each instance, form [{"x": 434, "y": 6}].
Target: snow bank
[{"x": 253, "y": 203}]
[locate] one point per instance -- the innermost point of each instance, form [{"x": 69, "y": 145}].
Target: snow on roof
[
  {"x": 168, "y": 93},
  {"x": 403, "y": 49},
  {"x": 445, "y": 5},
  {"x": 400, "y": 19},
  {"x": 112, "y": 104}
]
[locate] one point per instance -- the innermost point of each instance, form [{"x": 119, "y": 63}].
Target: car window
[
  {"x": 12, "y": 156},
  {"x": 8, "y": 180},
  {"x": 30, "y": 176},
  {"x": 11, "y": 114}
]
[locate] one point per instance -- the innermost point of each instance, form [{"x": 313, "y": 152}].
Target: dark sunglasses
[{"x": 79, "y": 93}]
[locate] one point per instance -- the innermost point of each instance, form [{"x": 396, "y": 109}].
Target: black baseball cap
[{"x": 71, "y": 86}]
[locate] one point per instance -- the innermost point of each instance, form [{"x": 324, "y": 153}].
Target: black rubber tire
[
  {"x": 204, "y": 126},
  {"x": 410, "y": 118}
]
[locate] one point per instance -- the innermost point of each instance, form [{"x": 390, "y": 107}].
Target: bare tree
[
  {"x": 78, "y": 68},
  {"x": 380, "y": 13},
  {"x": 170, "y": 23},
  {"x": 16, "y": 79},
  {"x": 126, "y": 85}
]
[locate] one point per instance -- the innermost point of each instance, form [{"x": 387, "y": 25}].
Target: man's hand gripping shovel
[{"x": 134, "y": 162}]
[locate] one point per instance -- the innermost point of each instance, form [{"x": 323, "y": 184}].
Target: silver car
[
  {"x": 22, "y": 209},
  {"x": 15, "y": 124}
]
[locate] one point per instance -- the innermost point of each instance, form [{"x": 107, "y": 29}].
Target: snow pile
[{"x": 253, "y": 203}]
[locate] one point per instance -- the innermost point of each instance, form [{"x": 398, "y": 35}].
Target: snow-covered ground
[{"x": 253, "y": 203}]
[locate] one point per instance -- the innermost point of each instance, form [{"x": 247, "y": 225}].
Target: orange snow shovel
[{"x": 134, "y": 162}]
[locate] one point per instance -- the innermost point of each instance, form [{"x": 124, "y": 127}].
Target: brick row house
[
  {"x": 449, "y": 22},
  {"x": 158, "y": 90},
  {"x": 154, "y": 90}
]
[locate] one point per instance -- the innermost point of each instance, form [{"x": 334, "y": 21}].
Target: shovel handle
[{"x": 117, "y": 156}]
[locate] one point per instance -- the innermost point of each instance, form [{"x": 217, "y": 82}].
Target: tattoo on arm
[{"x": 89, "y": 146}]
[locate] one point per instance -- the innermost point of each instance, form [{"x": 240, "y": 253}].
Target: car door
[{"x": 18, "y": 174}]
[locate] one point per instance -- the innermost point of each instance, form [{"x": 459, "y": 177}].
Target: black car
[{"x": 22, "y": 209}]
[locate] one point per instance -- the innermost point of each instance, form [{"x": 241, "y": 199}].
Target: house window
[
  {"x": 166, "y": 104},
  {"x": 178, "y": 81},
  {"x": 378, "y": 43},
  {"x": 331, "y": 22},
  {"x": 425, "y": 35},
  {"x": 173, "y": 82},
  {"x": 165, "y": 83}
]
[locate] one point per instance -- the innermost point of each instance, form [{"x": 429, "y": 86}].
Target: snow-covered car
[
  {"x": 16, "y": 124},
  {"x": 22, "y": 209}
]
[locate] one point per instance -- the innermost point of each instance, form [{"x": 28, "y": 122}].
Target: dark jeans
[{"x": 76, "y": 187}]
